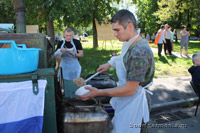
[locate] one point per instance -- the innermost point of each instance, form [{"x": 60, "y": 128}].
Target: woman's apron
[
  {"x": 129, "y": 110},
  {"x": 71, "y": 68}
]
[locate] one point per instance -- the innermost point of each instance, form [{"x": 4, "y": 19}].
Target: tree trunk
[
  {"x": 19, "y": 9},
  {"x": 95, "y": 40},
  {"x": 50, "y": 30},
  {"x": 180, "y": 19},
  {"x": 179, "y": 23},
  {"x": 188, "y": 19}
]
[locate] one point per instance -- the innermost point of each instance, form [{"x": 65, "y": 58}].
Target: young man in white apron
[
  {"x": 69, "y": 50},
  {"x": 135, "y": 68}
]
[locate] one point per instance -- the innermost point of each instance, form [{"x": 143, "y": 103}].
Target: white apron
[
  {"x": 70, "y": 65},
  {"x": 129, "y": 110}
]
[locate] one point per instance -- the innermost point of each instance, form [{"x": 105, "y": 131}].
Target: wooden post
[
  {"x": 111, "y": 43},
  {"x": 102, "y": 44}
]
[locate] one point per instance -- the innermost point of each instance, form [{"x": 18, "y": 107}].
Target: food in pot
[{"x": 79, "y": 82}]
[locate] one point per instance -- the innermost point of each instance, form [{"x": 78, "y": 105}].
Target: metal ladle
[{"x": 88, "y": 79}]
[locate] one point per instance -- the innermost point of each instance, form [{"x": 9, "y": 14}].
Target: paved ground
[
  {"x": 171, "y": 89},
  {"x": 188, "y": 125}
]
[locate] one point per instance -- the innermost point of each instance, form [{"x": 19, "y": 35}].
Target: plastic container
[
  {"x": 16, "y": 60},
  {"x": 34, "y": 40}
]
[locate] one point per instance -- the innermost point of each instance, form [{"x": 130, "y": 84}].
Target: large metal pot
[
  {"x": 78, "y": 116},
  {"x": 102, "y": 81},
  {"x": 78, "y": 105}
]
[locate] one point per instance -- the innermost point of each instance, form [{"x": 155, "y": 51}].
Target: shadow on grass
[
  {"x": 193, "y": 47},
  {"x": 168, "y": 59},
  {"x": 172, "y": 57},
  {"x": 162, "y": 59}
]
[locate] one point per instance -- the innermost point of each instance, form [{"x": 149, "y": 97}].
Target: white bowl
[
  {"x": 70, "y": 49},
  {"x": 82, "y": 91}
]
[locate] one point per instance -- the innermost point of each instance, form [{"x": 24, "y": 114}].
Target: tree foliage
[
  {"x": 179, "y": 12},
  {"x": 62, "y": 13},
  {"x": 70, "y": 13},
  {"x": 82, "y": 13},
  {"x": 7, "y": 14},
  {"x": 151, "y": 14},
  {"x": 38, "y": 11},
  {"x": 146, "y": 19},
  {"x": 44, "y": 13}
]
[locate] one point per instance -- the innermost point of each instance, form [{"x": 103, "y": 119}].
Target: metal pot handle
[{"x": 61, "y": 82}]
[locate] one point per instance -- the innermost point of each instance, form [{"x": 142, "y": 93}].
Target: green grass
[
  {"x": 193, "y": 47},
  {"x": 165, "y": 66},
  {"x": 94, "y": 57}
]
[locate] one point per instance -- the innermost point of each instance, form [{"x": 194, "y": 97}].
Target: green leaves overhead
[
  {"x": 146, "y": 18},
  {"x": 169, "y": 8},
  {"x": 75, "y": 13},
  {"x": 82, "y": 12},
  {"x": 152, "y": 13},
  {"x": 7, "y": 14},
  {"x": 38, "y": 11},
  {"x": 179, "y": 12}
]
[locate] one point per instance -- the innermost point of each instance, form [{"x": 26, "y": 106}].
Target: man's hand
[
  {"x": 63, "y": 50},
  {"x": 103, "y": 68},
  {"x": 93, "y": 93},
  {"x": 71, "y": 52}
]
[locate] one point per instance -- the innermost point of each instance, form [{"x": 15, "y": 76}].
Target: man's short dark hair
[
  {"x": 68, "y": 30},
  {"x": 162, "y": 26},
  {"x": 123, "y": 17}
]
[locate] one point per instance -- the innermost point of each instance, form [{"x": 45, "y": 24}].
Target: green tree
[
  {"x": 84, "y": 12},
  {"x": 45, "y": 13},
  {"x": 179, "y": 12},
  {"x": 71, "y": 13},
  {"x": 7, "y": 14},
  {"x": 146, "y": 19}
]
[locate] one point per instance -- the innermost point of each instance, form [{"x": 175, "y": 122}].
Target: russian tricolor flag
[{"x": 21, "y": 111}]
